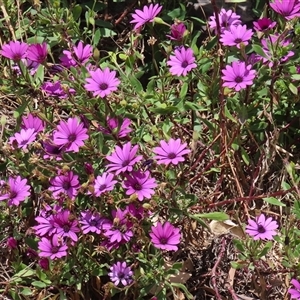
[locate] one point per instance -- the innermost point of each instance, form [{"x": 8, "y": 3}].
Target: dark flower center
[
  {"x": 261, "y": 229},
  {"x": 24, "y": 142},
  {"x": 54, "y": 249},
  {"x": 13, "y": 194},
  {"x": 102, "y": 187},
  {"x": 72, "y": 137},
  {"x": 93, "y": 222},
  {"x": 121, "y": 275},
  {"x": 137, "y": 186},
  {"x": 238, "y": 79},
  {"x": 66, "y": 228},
  {"x": 17, "y": 57},
  {"x": 55, "y": 150},
  {"x": 237, "y": 41},
  {"x": 163, "y": 241},
  {"x": 125, "y": 163},
  {"x": 103, "y": 86},
  {"x": 184, "y": 64},
  {"x": 171, "y": 155},
  {"x": 66, "y": 185}
]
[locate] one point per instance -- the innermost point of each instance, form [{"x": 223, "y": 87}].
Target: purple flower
[
  {"x": 264, "y": 24},
  {"x": 14, "y": 50},
  {"x": 120, "y": 231},
  {"x": 295, "y": 292},
  {"x": 45, "y": 226},
  {"x": 226, "y": 19},
  {"x": 92, "y": 222},
  {"x": 165, "y": 236},
  {"x": 67, "y": 59},
  {"x": 67, "y": 184},
  {"x": 70, "y": 134},
  {"x": 140, "y": 184},
  {"x": 102, "y": 83},
  {"x": 117, "y": 127},
  {"x": 37, "y": 52},
  {"x": 238, "y": 75},
  {"x": 52, "y": 150},
  {"x": 236, "y": 35},
  {"x": 170, "y": 152},
  {"x": 31, "y": 66},
  {"x": 53, "y": 248},
  {"x": 12, "y": 243},
  {"x": 177, "y": 32},
  {"x": 120, "y": 273},
  {"x": 289, "y": 9},
  {"x": 104, "y": 183},
  {"x": 23, "y": 138},
  {"x": 122, "y": 159},
  {"x": 262, "y": 228},
  {"x": 65, "y": 225},
  {"x": 44, "y": 263},
  {"x": 33, "y": 122},
  {"x": 182, "y": 62},
  {"x": 141, "y": 17},
  {"x": 55, "y": 89},
  {"x": 17, "y": 191}
]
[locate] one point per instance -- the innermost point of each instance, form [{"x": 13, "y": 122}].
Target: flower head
[
  {"x": 55, "y": 89},
  {"x": 92, "y": 222},
  {"x": 182, "y": 62},
  {"x": 16, "y": 192},
  {"x": 70, "y": 134},
  {"x": 262, "y": 228},
  {"x": 165, "y": 236},
  {"x": 295, "y": 292},
  {"x": 170, "y": 152},
  {"x": 140, "y": 184},
  {"x": 287, "y": 8},
  {"x": 120, "y": 273},
  {"x": 23, "y": 138},
  {"x": 102, "y": 83},
  {"x": 34, "y": 122},
  {"x": 117, "y": 126},
  {"x": 226, "y": 19},
  {"x": 177, "y": 32},
  {"x": 31, "y": 66},
  {"x": 238, "y": 75},
  {"x": 53, "y": 248},
  {"x": 104, "y": 183},
  {"x": 147, "y": 14},
  {"x": 123, "y": 159},
  {"x": 264, "y": 24},
  {"x": 52, "y": 150},
  {"x": 236, "y": 35},
  {"x": 37, "y": 52},
  {"x": 67, "y": 184},
  {"x": 14, "y": 50},
  {"x": 12, "y": 243}
]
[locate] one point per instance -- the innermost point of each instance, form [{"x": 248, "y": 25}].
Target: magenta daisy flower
[
  {"x": 104, "y": 183},
  {"x": 23, "y": 138},
  {"x": 70, "y": 134},
  {"x": 289, "y": 9},
  {"x": 264, "y": 24},
  {"x": 34, "y": 122},
  {"x": 238, "y": 75},
  {"x": 262, "y": 228},
  {"x": 140, "y": 184},
  {"x": 37, "y": 52},
  {"x": 182, "y": 62},
  {"x": 295, "y": 292},
  {"x": 236, "y": 35},
  {"x": 65, "y": 225},
  {"x": 123, "y": 159},
  {"x": 45, "y": 226},
  {"x": 55, "y": 89},
  {"x": 177, "y": 32},
  {"x": 120, "y": 273},
  {"x": 66, "y": 184},
  {"x": 102, "y": 83},
  {"x": 170, "y": 152},
  {"x": 14, "y": 50},
  {"x": 52, "y": 150},
  {"x": 92, "y": 222},
  {"x": 117, "y": 127},
  {"x": 53, "y": 248},
  {"x": 17, "y": 190},
  {"x": 226, "y": 19},
  {"x": 141, "y": 17},
  {"x": 165, "y": 236}
]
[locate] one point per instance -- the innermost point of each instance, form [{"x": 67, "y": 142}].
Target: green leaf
[
  {"x": 136, "y": 84},
  {"x": 39, "y": 284},
  {"x": 184, "y": 90},
  {"x": 266, "y": 249},
  {"x": 293, "y": 89},
  {"x": 296, "y": 77},
  {"x": 96, "y": 37},
  {"x": 218, "y": 216},
  {"x": 164, "y": 111},
  {"x": 183, "y": 287},
  {"x": 259, "y": 50},
  {"x": 239, "y": 245},
  {"x": 76, "y": 11},
  {"x": 274, "y": 201},
  {"x": 245, "y": 156},
  {"x": 27, "y": 272},
  {"x": 26, "y": 291},
  {"x": 229, "y": 115}
]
